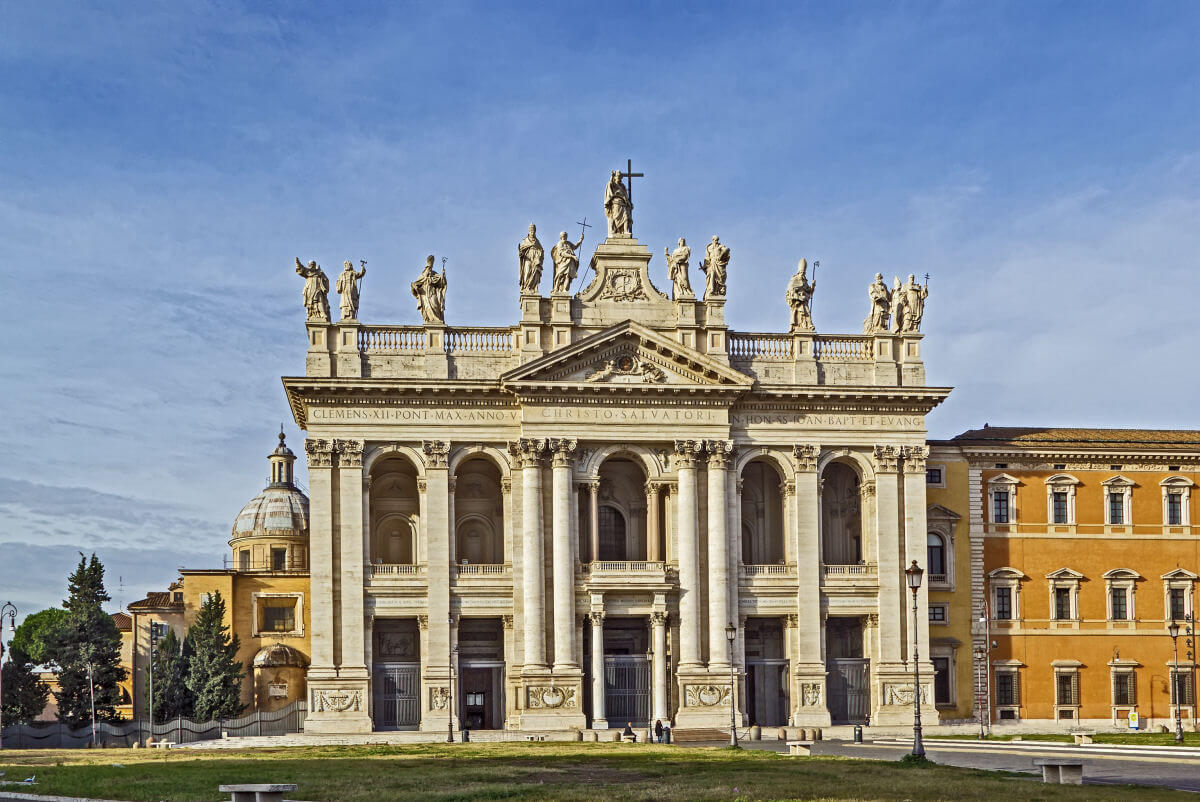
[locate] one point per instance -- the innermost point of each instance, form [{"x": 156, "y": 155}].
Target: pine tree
[
  {"x": 25, "y": 694},
  {"x": 89, "y": 640},
  {"x": 214, "y": 672},
  {"x": 171, "y": 695}
]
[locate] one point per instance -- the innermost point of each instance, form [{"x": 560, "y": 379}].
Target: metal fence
[{"x": 55, "y": 735}]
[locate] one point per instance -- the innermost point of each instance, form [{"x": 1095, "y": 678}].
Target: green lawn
[{"x": 578, "y": 771}]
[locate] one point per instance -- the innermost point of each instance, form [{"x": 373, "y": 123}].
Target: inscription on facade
[
  {"x": 744, "y": 419},
  {"x": 629, "y": 415},
  {"x": 385, "y": 414}
]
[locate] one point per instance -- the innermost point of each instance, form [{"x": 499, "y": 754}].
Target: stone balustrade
[
  {"x": 483, "y": 569},
  {"x": 394, "y": 569},
  {"x": 843, "y": 347}
]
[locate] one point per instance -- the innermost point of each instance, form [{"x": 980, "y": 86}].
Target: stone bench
[
  {"x": 257, "y": 792},
  {"x": 800, "y": 748},
  {"x": 1082, "y": 737},
  {"x": 163, "y": 744},
  {"x": 1060, "y": 771}
]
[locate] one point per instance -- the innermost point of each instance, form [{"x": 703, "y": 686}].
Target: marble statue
[
  {"x": 566, "y": 262},
  {"x": 530, "y": 256},
  {"x": 898, "y": 309},
  {"x": 914, "y": 303},
  {"x": 880, "y": 297},
  {"x": 716, "y": 261},
  {"x": 430, "y": 291},
  {"x": 799, "y": 298},
  {"x": 618, "y": 208},
  {"x": 347, "y": 287},
  {"x": 316, "y": 290},
  {"x": 677, "y": 270}
]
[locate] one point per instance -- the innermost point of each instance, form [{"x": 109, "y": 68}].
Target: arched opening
[
  {"x": 394, "y": 507},
  {"x": 613, "y": 544},
  {"x": 762, "y": 514},
  {"x": 619, "y": 515},
  {"x": 478, "y": 513},
  {"x": 841, "y": 516},
  {"x": 935, "y": 557}
]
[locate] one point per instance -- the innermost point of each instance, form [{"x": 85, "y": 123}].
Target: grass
[
  {"x": 580, "y": 771},
  {"x": 1138, "y": 738}
]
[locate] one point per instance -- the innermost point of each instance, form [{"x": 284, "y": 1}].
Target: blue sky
[{"x": 163, "y": 163}]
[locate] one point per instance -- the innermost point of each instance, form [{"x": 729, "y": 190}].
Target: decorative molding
[
  {"x": 623, "y": 285},
  {"x": 551, "y": 697},
  {"x": 705, "y": 695},
  {"x": 914, "y": 458},
  {"x": 887, "y": 459},
  {"x": 336, "y": 701},
  {"x": 806, "y": 456},
  {"x": 423, "y": 622},
  {"x": 439, "y": 698},
  {"x": 810, "y": 694},
  {"x": 436, "y": 453},
  {"x": 350, "y": 453},
  {"x": 902, "y": 694},
  {"x": 507, "y": 621},
  {"x": 320, "y": 453}
]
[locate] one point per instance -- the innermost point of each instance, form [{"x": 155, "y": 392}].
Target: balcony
[
  {"x": 624, "y": 574},
  {"x": 399, "y": 571},
  {"x": 850, "y": 577}
]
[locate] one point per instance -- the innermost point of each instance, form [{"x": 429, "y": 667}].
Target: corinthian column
[
  {"x": 534, "y": 601},
  {"x": 689, "y": 555},
  {"x": 658, "y": 670},
  {"x": 718, "y": 554},
  {"x": 564, "y": 586},
  {"x": 599, "y": 720}
]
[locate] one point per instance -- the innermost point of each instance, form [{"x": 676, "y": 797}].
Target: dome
[
  {"x": 276, "y": 510},
  {"x": 277, "y": 655}
]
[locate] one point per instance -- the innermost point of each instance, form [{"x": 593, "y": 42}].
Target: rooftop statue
[
  {"x": 799, "y": 298},
  {"x": 530, "y": 256},
  {"x": 898, "y": 308},
  {"x": 566, "y": 262},
  {"x": 716, "y": 261},
  {"x": 677, "y": 270},
  {"x": 347, "y": 287},
  {"x": 880, "y": 297},
  {"x": 316, "y": 290},
  {"x": 430, "y": 291},
  {"x": 618, "y": 208},
  {"x": 914, "y": 302}
]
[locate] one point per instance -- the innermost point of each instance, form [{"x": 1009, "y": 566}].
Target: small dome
[
  {"x": 277, "y": 510},
  {"x": 277, "y": 655}
]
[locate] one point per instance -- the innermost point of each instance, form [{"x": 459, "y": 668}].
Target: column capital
[
  {"x": 597, "y": 617},
  {"x": 422, "y": 485},
  {"x": 350, "y": 453},
  {"x": 887, "y": 459},
  {"x": 563, "y": 449},
  {"x": 806, "y": 456},
  {"x": 659, "y": 618},
  {"x": 686, "y": 452},
  {"x": 320, "y": 453},
  {"x": 506, "y": 621},
  {"x": 436, "y": 453},
  {"x": 788, "y": 488},
  {"x": 719, "y": 453},
  {"x": 914, "y": 458},
  {"x": 423, "y": 622},
  {"x": 528, "y": 450}
]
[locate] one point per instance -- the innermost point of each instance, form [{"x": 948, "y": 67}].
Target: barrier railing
[
  {"x": 392, "y": 339},
  {"x": 769, "y": 569},
  {"x": 394, "y": 569},
  {"x": 747, "y": 345},
  {"x": 477, "y": 340},
  {"x": 843, "y": 347},
  {"x": 480, "y": 569}
]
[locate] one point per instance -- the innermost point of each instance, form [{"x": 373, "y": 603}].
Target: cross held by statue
[{"x": 629, "y": 175}]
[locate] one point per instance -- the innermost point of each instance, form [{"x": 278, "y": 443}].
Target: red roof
[{"x": 123, "y": 621}]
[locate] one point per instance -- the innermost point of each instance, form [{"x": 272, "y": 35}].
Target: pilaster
[
  {"x": 810, "y": 694},
  {"x": 349, "y": 358},
  {"x": 892, "y": 592},
  {"x": 718, "y": 553},
  {"x": 318, "y": 362},
  {"x": 436, "y": 658},
  {"x": 686, "y": 452},
  {"x": 564, "y": 569},
  {"x": 437, "y": 362}
]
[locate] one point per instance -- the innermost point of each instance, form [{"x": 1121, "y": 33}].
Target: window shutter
[
  {"x": 1075, "y": 687},
  {"x": 1016, "y": 688}
]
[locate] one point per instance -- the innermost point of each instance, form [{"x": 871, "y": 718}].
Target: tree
[
  {"x": 39, "y": 633},
  {"x": 171, "y": 695},
  {"x": 88, "y": 653},
  {"x": 25, "y": 694},
  {"x": 214, "y": 672}
]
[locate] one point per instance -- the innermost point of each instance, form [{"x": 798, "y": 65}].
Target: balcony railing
[
  {"x": 769, "y": 569},
  {"x": 843, "y": 347},
  {"x": 482, "y": 569},
  {"x": 394, "y": 569},
  {"x": 265, "y": 565},
  {"x": 938, "y": 579},
  {"x": 391, "y": 339},
  {"x": 748, "y": 345},
  {"x": 478, "y": 340},
  {"x": 414, "y": 340},
  {"x": 622, "y": 566},
  {"x": 850, "y": 572}
]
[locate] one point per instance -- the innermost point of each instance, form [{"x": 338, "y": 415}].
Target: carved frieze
[
  {"x": 806, "y": 456},
  {"x": 626, "y": 367},
  {"x": 705, "y": 695},
  {"x": 320, "y": 453},
  {"x": 551, "y": 697},
  {"x": 623, "y": 285},
  {"x": 436, "y": 453},
  {"x": 810, "y": 694},
  {"x": 336, "y": 700},
  {"x": 439, "y": 698},
  {"x": 902, "y": 694}
]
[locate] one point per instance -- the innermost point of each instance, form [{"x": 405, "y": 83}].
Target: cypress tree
[
  {"x": 25, "y": 694},
  {"x": 171, "y": 695},
  {"x": 215, "y": 674},
  {"x": 89, "y": 637}
]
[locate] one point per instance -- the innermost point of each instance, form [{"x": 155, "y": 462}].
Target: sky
[{"x": 163, "y": 163}]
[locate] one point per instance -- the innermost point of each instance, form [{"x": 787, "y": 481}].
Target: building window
[
  {"x": 1183, "y": 687},
  {"x": 1004, "y": 608},
  {"x": 1118, "y": 495},
  {"x": 1059, "y": 501},
  {"x": 1062, "y": 604},
  {"x": 1174, "y": 509},
  {"x": 938, "y": 614},
  {"x": 278, "y": 559},
  {"x": 1177, "y": 493},
  {"x": 1008, "y": 689},
  {"x": 1000, "y": 507},
  {"x": 933, "y": 476},
  {"x": 1177, "y": 604},
  {"x": 1119, "y": 611},
  {"x": 1124, "y": 688},
  {"x": 278, "y": 615},
  {"x": 1066, "y": 689},
  {"x": 244, "y": 559},
  {"x": 1116, "y": 507},
  {"x": 942, "y": 694},
  {"x": 612, "y": 533},
  {"x": 935, "y": 555}
]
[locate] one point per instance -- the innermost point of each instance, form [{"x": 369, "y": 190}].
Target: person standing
[{"x": 658, "y": 731}]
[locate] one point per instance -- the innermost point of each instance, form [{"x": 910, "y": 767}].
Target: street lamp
[
  {"x": 730, "y": 634},
  {"x": 8, "y": 611},
  {"x": 914, "y": 574},
  {"x": 1173, "y": 631}
]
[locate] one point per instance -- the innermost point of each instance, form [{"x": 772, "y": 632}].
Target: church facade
[{"x": 615, "y": 510}]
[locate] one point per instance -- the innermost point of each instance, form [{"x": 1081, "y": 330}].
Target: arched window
[
  {"x": 394, "y": 507},
  {"x": 935, "y": 550},
  {"x": 762, "y": 514},
  {"x": 479, "y": 513},
  {"x": 612, "y": 533},
  {"x": 841, "y": 516}
]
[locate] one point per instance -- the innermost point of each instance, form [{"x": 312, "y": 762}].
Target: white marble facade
[{"x": 505, "y": 517}]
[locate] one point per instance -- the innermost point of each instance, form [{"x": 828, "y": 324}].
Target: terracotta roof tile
[
  {"x": 123, "y": 621},
  {"x": 1049, "y": 437},
  {"x": 156, "y": 600}
]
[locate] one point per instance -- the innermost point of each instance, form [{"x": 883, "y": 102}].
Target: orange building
[{"x": 1082, "y": 551}]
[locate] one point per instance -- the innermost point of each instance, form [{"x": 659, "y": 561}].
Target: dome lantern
[{"x": 281, "y": 460}]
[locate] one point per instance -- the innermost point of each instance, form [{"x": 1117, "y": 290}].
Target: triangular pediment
[{"x": 628, "y": 354}]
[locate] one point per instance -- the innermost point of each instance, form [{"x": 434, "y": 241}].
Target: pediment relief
[{"x": 627, "y": 354}]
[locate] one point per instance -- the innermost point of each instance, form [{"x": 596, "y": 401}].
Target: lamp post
[
  {"x": 914, "y": 574},
  {"x": 980, "y": 656},
  {"x": 8, "y": 611},
  {"x": 1173, "y": 631},
  {"x": 730, "y": 634},
  {"x": 450, "y": 682}
]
